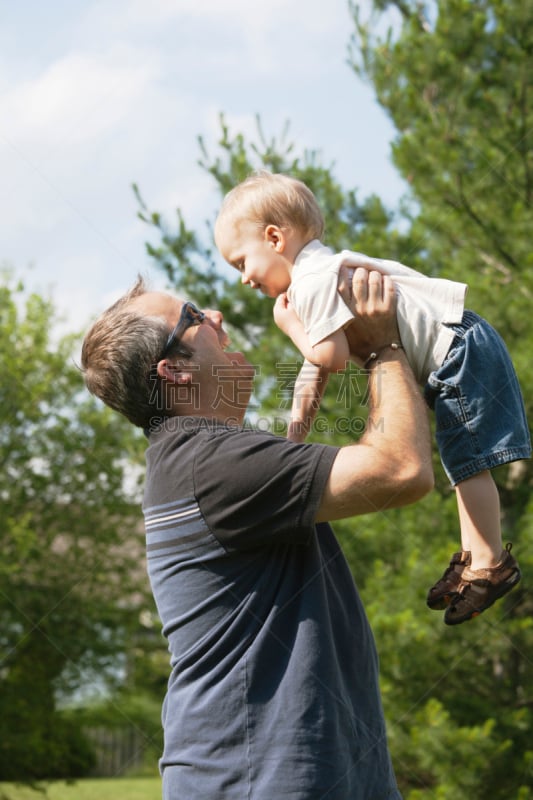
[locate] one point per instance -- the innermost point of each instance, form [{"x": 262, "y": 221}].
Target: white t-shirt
[{"x": 424, "y": 304}]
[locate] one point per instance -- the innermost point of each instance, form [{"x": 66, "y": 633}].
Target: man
[{"x": 273, "y": 691}]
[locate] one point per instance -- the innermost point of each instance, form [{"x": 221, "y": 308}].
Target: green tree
[
  {"x": 71, "y": 574},
  {"x": 454, "y": 78}
]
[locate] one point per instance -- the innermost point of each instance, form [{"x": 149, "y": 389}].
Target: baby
[{"x": 269, "y": 228}]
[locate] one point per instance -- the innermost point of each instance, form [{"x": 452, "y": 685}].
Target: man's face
[{"x": 223, "y": 378}]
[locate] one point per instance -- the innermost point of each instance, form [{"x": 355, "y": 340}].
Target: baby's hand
[{"x": 285, "y": 316}]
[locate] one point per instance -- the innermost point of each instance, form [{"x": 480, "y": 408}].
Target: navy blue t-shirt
[{"x": 273, "y": 692}]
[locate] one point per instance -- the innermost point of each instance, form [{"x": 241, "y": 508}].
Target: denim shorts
[{"x": 479, "y": 411}]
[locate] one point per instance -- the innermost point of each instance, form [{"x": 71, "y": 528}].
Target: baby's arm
[
  {"x": 308, "y": 391},
  {"x": 331, "y": 353}
]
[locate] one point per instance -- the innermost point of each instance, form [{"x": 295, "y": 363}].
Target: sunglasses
[{"x": 190, "y": 316}]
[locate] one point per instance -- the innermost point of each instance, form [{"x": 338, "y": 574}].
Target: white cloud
[
  {"x": 103, "y": 94},
  {"x": 77, "y": 99}
]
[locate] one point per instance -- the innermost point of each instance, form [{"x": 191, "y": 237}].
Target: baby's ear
[{"x": 275, "y": 236}]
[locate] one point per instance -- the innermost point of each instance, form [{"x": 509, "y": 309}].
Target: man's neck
[{"x": 224, "y": 415}]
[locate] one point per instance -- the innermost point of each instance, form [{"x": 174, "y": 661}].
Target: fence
[{"x": 117, "y": 750}]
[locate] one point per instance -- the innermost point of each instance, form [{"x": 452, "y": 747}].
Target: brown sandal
[
  {"x": 480, "y": 588},
  {"x": 440, "y": 595}
]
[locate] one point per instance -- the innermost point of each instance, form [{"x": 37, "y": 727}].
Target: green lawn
[{"x": 89, "y": 789}]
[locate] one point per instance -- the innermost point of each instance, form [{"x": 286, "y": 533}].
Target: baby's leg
[
  {"x": 481, "y": 540},
  {"x": 493, "y": 571},
  {"x": 479, "y": 516},
  {"x": 480, "y": 420}
]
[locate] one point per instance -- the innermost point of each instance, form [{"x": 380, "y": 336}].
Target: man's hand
[{"x": 371, "y": 297}]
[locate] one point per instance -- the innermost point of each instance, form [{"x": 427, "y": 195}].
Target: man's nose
[{"x": 214, "y": 317}]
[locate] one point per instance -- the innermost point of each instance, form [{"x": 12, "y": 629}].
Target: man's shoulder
[
  {"x": 196, "y": 433},
  {"x": 187, "y": 427}
]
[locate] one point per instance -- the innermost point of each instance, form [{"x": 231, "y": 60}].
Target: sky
[{"x": 98, "y": 94}]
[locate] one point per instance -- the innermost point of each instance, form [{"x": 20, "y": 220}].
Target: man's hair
[
  {"x": 119, "y": 359},
  {"x": 266, "y": 198}
]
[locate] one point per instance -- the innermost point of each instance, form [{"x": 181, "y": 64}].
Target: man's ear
[
  {"x": 276, "y": 237},
  {"x": 173, "y": 373}
]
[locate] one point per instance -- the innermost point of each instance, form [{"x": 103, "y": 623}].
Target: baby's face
[{"x": 257, "y": 254}]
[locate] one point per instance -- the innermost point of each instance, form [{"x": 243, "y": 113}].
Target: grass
[{"x": 87, "y": 789}]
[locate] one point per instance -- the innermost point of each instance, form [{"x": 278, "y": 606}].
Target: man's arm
[{"x": 391, "y": 464}]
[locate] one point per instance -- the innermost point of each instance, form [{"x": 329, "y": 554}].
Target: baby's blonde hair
[{"x": 267, "y": 198}]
